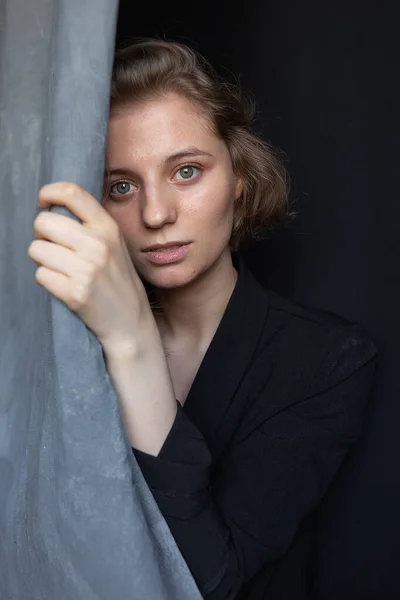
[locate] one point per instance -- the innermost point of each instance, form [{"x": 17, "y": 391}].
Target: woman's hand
[{"x": 88, "y": 267}]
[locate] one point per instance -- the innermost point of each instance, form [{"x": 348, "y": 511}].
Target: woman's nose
[{"x": 158, "y": 208}]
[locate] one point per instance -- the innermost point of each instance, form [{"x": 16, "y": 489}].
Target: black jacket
[{"x": 274, "y": 407}]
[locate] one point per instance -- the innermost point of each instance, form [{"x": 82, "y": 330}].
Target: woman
[{"x": 239, "y": 405}]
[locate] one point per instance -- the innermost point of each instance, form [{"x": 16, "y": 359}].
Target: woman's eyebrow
[
  {"x": 187, "y": 152},
  {"x": 184, "y": 153},
  {"x": 117, "y": 171}
]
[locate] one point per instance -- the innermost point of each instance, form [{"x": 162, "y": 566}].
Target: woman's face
[{"x": 170, "y": 179}]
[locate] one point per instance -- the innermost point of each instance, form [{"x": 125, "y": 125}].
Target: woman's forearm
[{"x": 140, "y": 376}]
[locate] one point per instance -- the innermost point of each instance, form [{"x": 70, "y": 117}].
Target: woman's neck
[{"x": 191, "y": 315}]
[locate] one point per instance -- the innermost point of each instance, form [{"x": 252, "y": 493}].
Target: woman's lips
[{"x": 168, "y": 255}]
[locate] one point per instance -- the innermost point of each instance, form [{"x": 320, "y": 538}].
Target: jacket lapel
[{"x": 228, "y": 357}]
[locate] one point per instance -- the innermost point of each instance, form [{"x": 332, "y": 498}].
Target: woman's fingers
[
  {"x": 75, "y": 296},
  {"x": 63, "y": 273},
  {"x": 78, "y": 201},
  {"x": 70, "y": 234},
  {"x": 60, "y": 259},
  {"x": 59, "y": 229}
]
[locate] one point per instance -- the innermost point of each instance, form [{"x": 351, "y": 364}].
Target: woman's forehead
[
  {"x": 160, "y": 128},
  {"x": 161, "y": 101}
]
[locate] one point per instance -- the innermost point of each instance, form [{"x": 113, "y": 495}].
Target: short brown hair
[{"x": 150, "y": 67}]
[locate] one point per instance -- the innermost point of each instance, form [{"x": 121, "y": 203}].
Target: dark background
[{"x": 325, "y": 78}]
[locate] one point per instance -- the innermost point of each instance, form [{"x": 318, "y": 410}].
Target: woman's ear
[{"x": 238, "y": 187}]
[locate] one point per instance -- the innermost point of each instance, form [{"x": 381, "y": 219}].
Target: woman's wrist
[
  {"x": 137, "y": 338},
  {"x": 139, "y": 372}
]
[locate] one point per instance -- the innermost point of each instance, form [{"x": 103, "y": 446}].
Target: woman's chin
[{"x": 168, "y": 278}]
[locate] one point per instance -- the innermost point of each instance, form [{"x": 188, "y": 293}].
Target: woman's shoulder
[
  {"x": 297, "y": 348},
  {"x": 309, "y": 362},
  {"x": 294, "y": 327},
  {"x": 317, "y": 342}
]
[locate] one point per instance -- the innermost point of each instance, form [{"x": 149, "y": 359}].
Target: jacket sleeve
[{"x": 231, "y": 521}]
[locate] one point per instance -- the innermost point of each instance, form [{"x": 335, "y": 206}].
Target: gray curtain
[{"x": 77, "y": 520}]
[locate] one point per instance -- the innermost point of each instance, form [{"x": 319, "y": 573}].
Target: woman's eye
[
  {"x": 186, "y": 172},
  {"x": 121, "y": 188}
]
